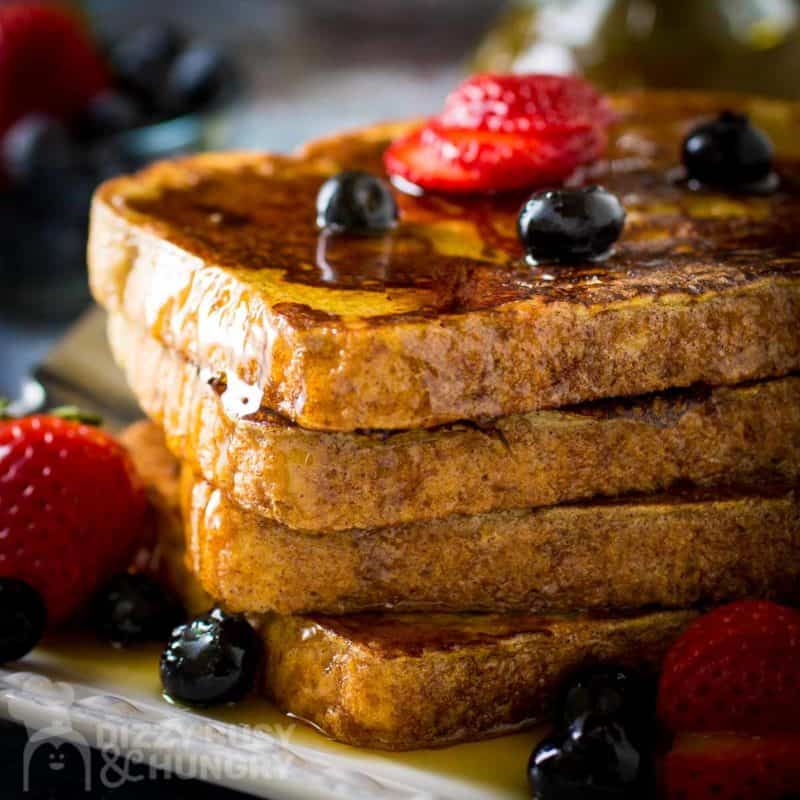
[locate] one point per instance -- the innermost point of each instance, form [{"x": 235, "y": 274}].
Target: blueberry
[
  {"x": 728, "y": 152},
  {"x": 569, "y": 225},
  {"x": 212, "y": 659},
  {"x": 612, "y": 692},
  {"x": 110, "y": 158},
  {"x": 356, "y": 202},
  {"x": 111, "y": 112},
  {"x": 67, "y": 201},
  {"x": 142, "y": 58},
  {"x": 22, "y": 619},
  {"x": 594, "y": 759},
  {"x": 38, "y": 146},
  {"x": 196, "y": 78},
  {"x": 134, "y": 608}
]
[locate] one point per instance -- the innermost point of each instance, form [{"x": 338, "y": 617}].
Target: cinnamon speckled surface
[{"x": 440, "y": 320}]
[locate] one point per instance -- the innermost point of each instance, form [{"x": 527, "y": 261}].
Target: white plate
[{"x": 93, "y": 695}]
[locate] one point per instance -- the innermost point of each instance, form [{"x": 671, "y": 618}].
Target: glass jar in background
[{"x": 731, "y": 45}]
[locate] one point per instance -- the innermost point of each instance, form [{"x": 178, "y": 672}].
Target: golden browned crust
[
  {"x": 405, "y": 682},
  {"x": 219, "y": 258},
  {"x": 157, "y": 467},
  {"x": 670, "y": 551},
  {"x": 166, "y": 559},
  {"x": 328, "y": 481}
]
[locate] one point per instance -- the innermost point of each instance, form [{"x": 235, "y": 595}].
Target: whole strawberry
[
  {"x": 48, "y": 63},
  {"x": 72, "y": 509},
  {"x": 736, "y": 668}
]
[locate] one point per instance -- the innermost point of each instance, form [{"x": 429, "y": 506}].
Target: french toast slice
[
  {"x": 329, "y": 481},
  {"x": 161, "y": 473},
  {"x": 401, "y": 682},
  {"x": 656, "y": 551},
  {"x": 219, "y": 257}
]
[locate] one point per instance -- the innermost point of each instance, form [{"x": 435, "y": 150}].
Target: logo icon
[{"x": 53, "y": 745}]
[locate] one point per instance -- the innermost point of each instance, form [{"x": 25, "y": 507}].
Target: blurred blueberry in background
[{"x": 199, "y": 74}]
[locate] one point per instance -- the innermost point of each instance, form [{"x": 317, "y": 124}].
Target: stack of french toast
[{"x": 435, "y": 477}]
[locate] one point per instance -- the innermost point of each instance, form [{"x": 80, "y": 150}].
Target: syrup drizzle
[
  {"x": 498, "y": 765},
  {"x": 452, "y": 254}
]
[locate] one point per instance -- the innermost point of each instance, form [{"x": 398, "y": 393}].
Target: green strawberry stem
[{"x": 75, "y": 414}]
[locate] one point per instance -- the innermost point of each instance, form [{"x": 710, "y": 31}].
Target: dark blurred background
[{"x": 272, "y": 73}]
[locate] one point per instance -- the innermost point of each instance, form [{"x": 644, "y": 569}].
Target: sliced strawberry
[
  {"x": 440, "y": 159},
  {"x": 736, "y": 668},
  {"x": 731, "y": 767},
  {"x": 417, "y": 158},
  {"x": 525, "y": 104},
  {"x": 503, "y": 132},
  {"x": 48, "y": 64}
]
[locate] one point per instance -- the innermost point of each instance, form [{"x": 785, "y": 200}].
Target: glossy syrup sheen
[
  {"x": 398, "y": 635},
  {"x": 498, "y": 764},
  {"x": 453, "y": 254}
]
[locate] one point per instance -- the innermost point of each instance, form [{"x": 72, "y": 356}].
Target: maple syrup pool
[{"x": 498, "y": 765}]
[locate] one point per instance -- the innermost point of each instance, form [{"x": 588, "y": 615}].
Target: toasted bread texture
[
  {"x": 669, "y": 551},
  {"x": 408, "y": 681},
  {"x": 440, "y": 320},
  {"x": 330, "y": 481},
  {"x": 166, "y": 558},
  {"x": 401, "y": 682}
]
